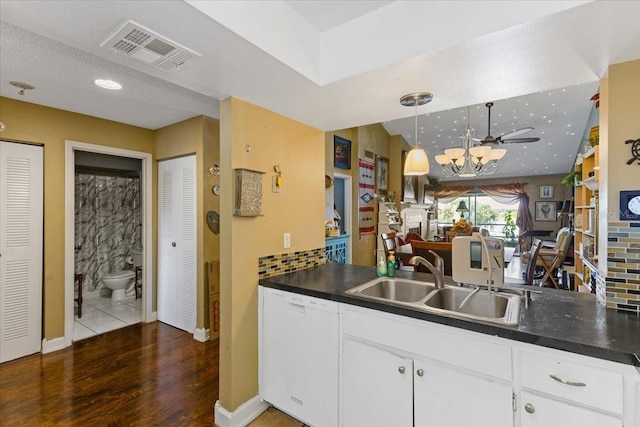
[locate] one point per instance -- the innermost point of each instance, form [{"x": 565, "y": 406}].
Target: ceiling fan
[{"x": 508, "y": 137}]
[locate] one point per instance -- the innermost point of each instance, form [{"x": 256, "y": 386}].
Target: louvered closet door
[
  {"x": 20, "y": 250},
  {"x": 177, "y": 242}
]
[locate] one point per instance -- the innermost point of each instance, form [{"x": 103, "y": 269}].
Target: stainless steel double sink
[{"x": 453, "y": 301}]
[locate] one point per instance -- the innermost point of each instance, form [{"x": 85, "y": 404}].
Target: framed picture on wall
[
  {"x": 546, "y": 211},
  {"x": 341, "y": 153},
  {"x": 382, "y": 175},
  {"x": 546, "y": 191}
]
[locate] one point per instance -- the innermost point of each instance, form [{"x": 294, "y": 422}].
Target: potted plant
[
  {"x": 573, "y": 177},
  {"x": 509, "y": 229}
]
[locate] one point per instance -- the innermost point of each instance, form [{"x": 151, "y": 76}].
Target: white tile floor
[{"x": 100, "y": 315}]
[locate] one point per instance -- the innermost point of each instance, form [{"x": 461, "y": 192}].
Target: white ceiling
[{"x": 330, "y": 64}]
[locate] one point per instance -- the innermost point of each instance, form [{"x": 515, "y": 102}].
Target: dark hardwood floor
[{"x": 143, "y": 375}]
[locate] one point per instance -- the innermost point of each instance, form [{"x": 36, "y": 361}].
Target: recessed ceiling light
[{"x": 108, "y": 84}]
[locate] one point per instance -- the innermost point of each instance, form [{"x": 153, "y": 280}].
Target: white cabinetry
[
  {"x": 399, "y": 371},
  {"x": 450, "y": 396},
  {"x": 299, "y": 350},
  {"x": 538, "y": 411},
  {"x": 377, "y": 387},
  {"x": 565, "y": 390},
  {"x": 418, "y": 374}
]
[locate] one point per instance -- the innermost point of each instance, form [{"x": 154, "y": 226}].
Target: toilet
[{"x": 118, "y": 281}]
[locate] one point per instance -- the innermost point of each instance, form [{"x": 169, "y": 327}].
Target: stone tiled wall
[
  {"x": 623, "y": 266},
  {"x": 272, "y": 265}
]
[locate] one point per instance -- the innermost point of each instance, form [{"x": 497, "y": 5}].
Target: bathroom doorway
[{"x": 108, "y": 228}]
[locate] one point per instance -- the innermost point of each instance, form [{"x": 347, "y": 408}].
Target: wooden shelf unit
[{"x": 586, "y": 218}]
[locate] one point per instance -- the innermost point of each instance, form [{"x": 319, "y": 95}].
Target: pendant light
[{"x": 417, "y": 162}]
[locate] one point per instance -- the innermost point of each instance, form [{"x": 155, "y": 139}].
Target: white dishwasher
[{"x": 299, "y": 350}]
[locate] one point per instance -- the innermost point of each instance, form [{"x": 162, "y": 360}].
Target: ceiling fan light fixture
[
  {"x": 454, "y": 153},
  {"x": 497, "y": 153},
  {"x": 480, "y": 151},
  {"x": 442, "y": 159},
  {"x": 417, "y": 161},
  {"x": 470, "y": 161}
]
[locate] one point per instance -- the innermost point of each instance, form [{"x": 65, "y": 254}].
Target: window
[{"x": 499, "y": 219}]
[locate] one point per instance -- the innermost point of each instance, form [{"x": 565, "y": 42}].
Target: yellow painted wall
[
  {"x": 375, "y": 139},
  {"x": 211, "y": 156},
  {"x": 50, "y": 127},
  {"x": 619, "y": 121},
  {"x": 298, "y": 209},
  {"x": 199, "y": 136}
]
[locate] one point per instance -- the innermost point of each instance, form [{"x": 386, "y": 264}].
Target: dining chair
[
  {"x": 444, "y": 249},
  {"x": 530, "y": 271},
  {"x": 552, "y": 258},
  {"x": 389, "y": 243}
]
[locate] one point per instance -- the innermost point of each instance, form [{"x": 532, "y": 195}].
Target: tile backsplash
[
  {"x": 272, "y": 265},
  {"x": 623, "y": 266}
]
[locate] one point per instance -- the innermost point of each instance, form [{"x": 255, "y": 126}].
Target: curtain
[{"x": 513, "y": 193}]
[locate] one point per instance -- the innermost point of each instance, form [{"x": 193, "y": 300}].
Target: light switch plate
[{"x": 287, "y": 240}]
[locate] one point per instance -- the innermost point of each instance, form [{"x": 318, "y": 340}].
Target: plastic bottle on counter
[
  {"x": 391, "y": 264},
  {"x": 381, "y": 268}
]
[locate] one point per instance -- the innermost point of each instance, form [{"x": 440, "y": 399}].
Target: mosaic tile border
[
  {"x": 272, "y": 265},
  {"x": 623, "y": 266}
]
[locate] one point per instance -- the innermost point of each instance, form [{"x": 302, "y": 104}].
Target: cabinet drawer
[
  {"x": 571, "y": 379},
  {"x": 464, "y": 349}
]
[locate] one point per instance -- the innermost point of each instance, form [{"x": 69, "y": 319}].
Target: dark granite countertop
[{"x": 562, "y": 320}]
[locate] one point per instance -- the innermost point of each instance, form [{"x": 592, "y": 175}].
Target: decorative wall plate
[
  {"x": 216, "y": 190},
  {"x": 213, "y": 221}
]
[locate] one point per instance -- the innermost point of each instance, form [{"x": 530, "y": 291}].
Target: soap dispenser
[
  {"x": 391, "y": 264},
  {"x": 381, "y": 268}
]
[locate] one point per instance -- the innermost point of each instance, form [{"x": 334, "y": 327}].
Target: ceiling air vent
[{"x": 137, "y": 42}]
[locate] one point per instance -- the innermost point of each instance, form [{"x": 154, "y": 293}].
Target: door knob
[
  {"x": 173, "y": 244},
  {"x": 529, "y": 408},
  {"x": 401, "y": 369}
]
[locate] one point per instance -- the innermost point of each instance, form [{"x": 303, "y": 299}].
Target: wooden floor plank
[{"x": 143, "y": 375}]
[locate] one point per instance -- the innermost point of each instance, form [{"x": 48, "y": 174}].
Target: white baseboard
[
  {"x": 152, "y": 317},
  {"x": 201, "y": 335},
  {"x": 243, "y": 414},
  {"x": 53, "y": 345}
]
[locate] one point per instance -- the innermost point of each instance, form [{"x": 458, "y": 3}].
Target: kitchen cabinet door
[
  {"x": 538, "y": 411},
  {"x": 444, "y": 396},
  {"x": 377, "y": 387}
]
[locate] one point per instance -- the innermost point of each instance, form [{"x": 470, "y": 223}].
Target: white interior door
[
  {"x": 177, "y": 242},
  {"x": 21, "y": 208}
]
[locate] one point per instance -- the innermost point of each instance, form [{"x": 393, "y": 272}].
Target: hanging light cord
[{"x": 416, "y": 115}]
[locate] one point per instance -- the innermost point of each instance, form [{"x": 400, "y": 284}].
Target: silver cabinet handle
[
  {"x": 571, "y": 383},
  {"x": 420, "y": 372},
  {"x": 529, "y": 408},
  {"x": 401, "y": 369}
]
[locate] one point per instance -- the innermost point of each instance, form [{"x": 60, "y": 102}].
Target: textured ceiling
[{"x": 378, "y": 51}]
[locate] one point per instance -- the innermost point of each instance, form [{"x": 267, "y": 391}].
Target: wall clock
[{"x": 630, "y": 205}]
